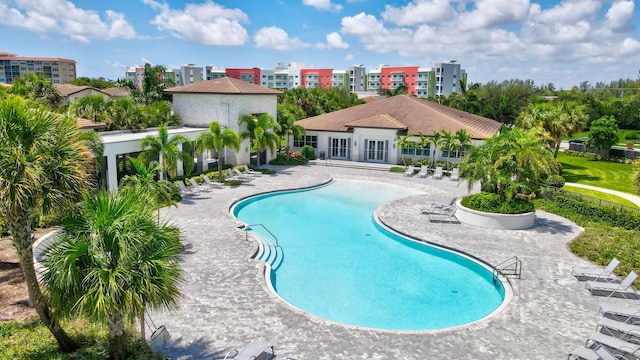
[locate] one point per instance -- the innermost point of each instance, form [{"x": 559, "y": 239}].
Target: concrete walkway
[
  {"x": 226, "y": 302},
  {"x": 633, "y": 198}
]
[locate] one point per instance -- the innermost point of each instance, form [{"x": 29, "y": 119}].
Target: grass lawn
[
  {"x": 599, "y": 195},
  {"x": 603, "y": 174}
]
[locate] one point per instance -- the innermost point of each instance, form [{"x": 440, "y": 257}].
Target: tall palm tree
[
  {"x": 43, "y": 166},
  {"x": 447, "y": 142},
  {"x": 218, "y": 139},
  {"x": 111, "y": 261},
  {"x": 289, "y": 128},
  {"x": 462, "y": 140},
  {"x": 92, "y": 107},
  {"x": 435, "y": 140},
  {"x": 144, "y": 180},
  {"x": 403, "y": 142},
  {"x": 38, "y": 88},
  {"x": 261, "y": 132},
  {"x": 399, "y": 90},
  {"x": 166, "y": 151}
]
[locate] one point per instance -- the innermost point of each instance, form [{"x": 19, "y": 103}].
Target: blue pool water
[{"x": 340, "y": 265}]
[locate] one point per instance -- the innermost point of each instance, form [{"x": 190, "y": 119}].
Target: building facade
[{"x": 57, "y": 70}]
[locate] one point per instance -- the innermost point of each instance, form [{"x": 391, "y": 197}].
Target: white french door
[
  {"x": 339, "y": 148},
  {"x": 376, "y": 150}
]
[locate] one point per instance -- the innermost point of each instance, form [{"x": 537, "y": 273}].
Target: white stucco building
[{"x": 224, "y": 100}]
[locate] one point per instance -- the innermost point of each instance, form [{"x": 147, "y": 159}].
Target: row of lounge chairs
[
  {"x": 208, "y": 185},
  {"x": 437, "y": 173},
  {"x": 605, "y": 282},
  {"x": 617, "y": 336}
]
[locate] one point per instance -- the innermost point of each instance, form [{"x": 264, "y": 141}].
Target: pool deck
[{"x": 225, "y": 302}]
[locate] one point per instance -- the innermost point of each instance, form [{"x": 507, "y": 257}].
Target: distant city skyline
[{"x": 564, "y": 42}]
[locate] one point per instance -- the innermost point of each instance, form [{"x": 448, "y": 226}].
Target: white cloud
[
  {"x": 334, "y": 41},
  {"x": 619, "y": 16},
  {"x": 348, "y": 57},
  {"x": 274, "y": 38},
  {"x": 489, "y": 13},
  {"x": 207, "y": 23},
  {"x": 323, "y": 5},
  {"x": 63, "y": 17},
  {"x": 419, "y": 12}
]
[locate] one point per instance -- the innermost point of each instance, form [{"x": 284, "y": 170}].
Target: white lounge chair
[
  {"x": 423, "y": 171},
  {"x": 184, "y": 190},
  {"x": 231, "y": 176},
  {"x": 212, "y": 184},
  {"x": 438, "y": 208},
  {"x": 624, "y": 289},
  {"x": 617, "y": 346},
  {"x": 619, "y": 329},
  {"x": 620, "y": 313},
  {"x": 437, "y": 174},
  {"x": 255, "y": 350},
  {"x": 449, "y": 216},
  {"x": 195, "y": 185},
  {"x": 251, "y": 172},
  {"x": 455, "y": 174},
  {"x": 409, "y": 171},
  {"x": 241, "y": 174},
  {"x": 584, "y": 273},
  {"x": 596, "y": 353}
]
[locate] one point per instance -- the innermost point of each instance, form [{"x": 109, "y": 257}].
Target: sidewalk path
[{"x": 633, "y": 198}]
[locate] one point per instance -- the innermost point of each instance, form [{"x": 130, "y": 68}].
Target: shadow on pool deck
[{"x": 224, "y": 304}]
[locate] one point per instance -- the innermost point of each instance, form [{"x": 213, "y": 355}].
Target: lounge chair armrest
[{"x": 231, "y": 354}]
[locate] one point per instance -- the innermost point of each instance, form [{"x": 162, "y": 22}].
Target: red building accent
[
  {"x": 251, "y": 75},
  {"x": 316, "y": 78},
  {"x": 391, "y": 77}
]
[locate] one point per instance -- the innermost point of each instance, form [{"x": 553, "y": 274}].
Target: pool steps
[{"x": 269, "y": 251}]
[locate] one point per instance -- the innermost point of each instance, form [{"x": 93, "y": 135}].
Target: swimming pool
[{"x": 340, "y": 265}]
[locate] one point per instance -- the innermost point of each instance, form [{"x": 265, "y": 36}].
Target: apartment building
[
  {"x": 447, "y": 78},
  {"x": 251, "y": 75},
  {"x": 212, "y": 72},
  {"x": 189, "y": 74},
  {"x": 57, "y": 70}
]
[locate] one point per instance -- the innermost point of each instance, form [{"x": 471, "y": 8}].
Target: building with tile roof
[
  {"x": 368, "y": 132},
  {"x": 69, "y": 93},
  {"x": 225, "y": 100}
]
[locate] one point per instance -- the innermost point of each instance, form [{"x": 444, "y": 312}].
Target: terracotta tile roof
[
  {"x": 225, "y": 85},
  {"x": 117, "y": 91},
  {"x": 408, "y": 112},
  {"x": 68, "y": 89}
]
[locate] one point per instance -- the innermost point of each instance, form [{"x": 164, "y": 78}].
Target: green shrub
[
  {"x": 493, "y": 203},
  {"x": 232, "y": 182},
  {"x": 397, "y": 169},
  {"x": 309, "y": 152},
  {"x": 631, "y": 136},
  {"x": 560, "y": 203},
  {"x": 444, "y": 164},
  {"x": 281, "y": 159},
  {"x": 555, "y": 181}
]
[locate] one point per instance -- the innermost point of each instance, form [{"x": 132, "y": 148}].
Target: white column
[
  {"x": 112, "y": 173},
  {"x": 179, "y": 162}
]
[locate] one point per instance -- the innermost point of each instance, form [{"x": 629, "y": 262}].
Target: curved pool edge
[
  {"x": 264, "y": 277},
  {"x": 510, "y": 290}
]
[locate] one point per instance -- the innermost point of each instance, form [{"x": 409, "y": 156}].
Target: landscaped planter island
[{"x": 494, "y": 220}]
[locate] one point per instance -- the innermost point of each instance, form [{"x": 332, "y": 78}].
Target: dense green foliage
[
  {"x": 303, "y": 103},
  {"x": 309, "y": 152},
  {"x": 31, "y": 340},
  {"x": 556, "y": 181},
  {"x": 493, "y": 203},
  {"x": 603, "y": 133},
  {"x": 98, "y": 83}
]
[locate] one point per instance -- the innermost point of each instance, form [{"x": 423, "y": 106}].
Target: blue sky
[{"x": 563, "y": 42}]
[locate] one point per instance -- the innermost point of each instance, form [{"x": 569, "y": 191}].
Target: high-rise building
[
  {"x": 447, "y": 78},
  {"x": 251, "y": 75},
  {"x": 212, "y": 72},
  {"x": 357, "y": 78},
  {"x": 189, "y": 74},
  {"x": 57, "y": 70}
]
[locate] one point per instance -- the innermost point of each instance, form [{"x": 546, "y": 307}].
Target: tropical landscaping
[{"x": 118, "y": 258}]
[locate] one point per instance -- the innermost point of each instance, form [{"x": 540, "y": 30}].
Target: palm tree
[
  {"x": 113, "y": 260},
  {"x": 92, "y": 107},
  {"x": 166, "y": 151},
  {"x": 399, "y": 90},
  {"x": 447, "y": 142},
  {"x": 403, "y": 142},
  {"x": 287, "y": 116},
  {"x": 217, "y": 139},
  {"x": 36, "y": 87},
  {"x": 261, "y": 132},
  {"x": 43, "y": 166},
  {"x": 462, "y": 140},
  {"x": 435, "y": 140},
  {"x": 508, "y": 162},
  {"x": 144, "y": 180}
]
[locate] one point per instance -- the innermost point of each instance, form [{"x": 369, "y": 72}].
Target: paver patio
[{"x": 226, "y": 303}]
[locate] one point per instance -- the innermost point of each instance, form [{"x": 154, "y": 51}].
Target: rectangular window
[{"x": 311, "y": 140}]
